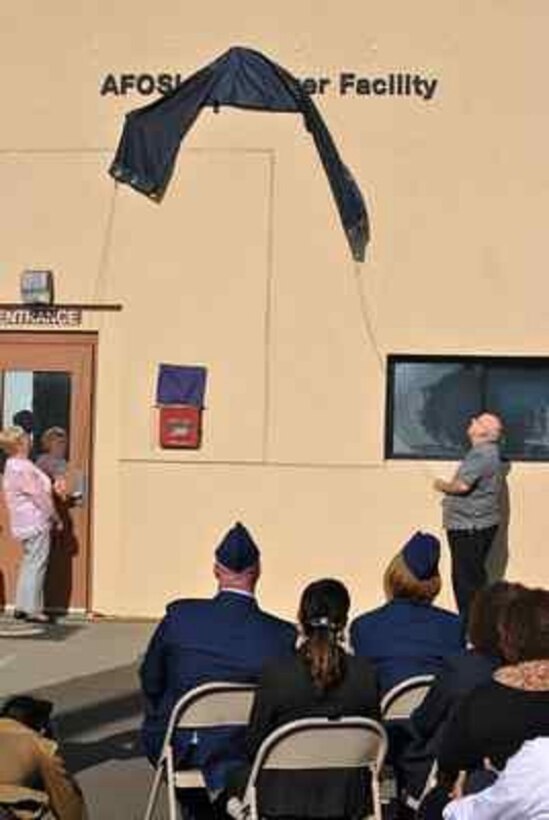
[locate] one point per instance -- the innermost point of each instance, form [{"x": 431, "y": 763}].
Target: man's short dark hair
[{"x": 24, "y": 419}]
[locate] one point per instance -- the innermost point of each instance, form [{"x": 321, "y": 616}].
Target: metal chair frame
[
  {"x": 319, "y": 728},
  {"x": 417, "y": 687},
  {"x": 190, "y": 712}
]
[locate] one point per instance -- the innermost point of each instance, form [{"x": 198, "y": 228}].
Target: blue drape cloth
[
  {"x": 243, "y": 78},
  {"x": 181, "y": 384}
]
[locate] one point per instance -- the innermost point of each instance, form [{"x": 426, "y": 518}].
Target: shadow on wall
[
  {"x": 2, "y": 592},
  {"x": 498, "y": 558}
]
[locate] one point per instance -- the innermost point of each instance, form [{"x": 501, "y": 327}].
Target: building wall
[{"x": 244, "y": 268}]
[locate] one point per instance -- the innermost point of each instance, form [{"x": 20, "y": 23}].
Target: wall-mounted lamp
[{"x": 36, "y": 287}]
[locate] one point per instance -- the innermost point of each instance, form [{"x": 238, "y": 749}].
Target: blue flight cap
[
  {"x": 421, "y": 555},
  {"x": 237, "y": 551}
]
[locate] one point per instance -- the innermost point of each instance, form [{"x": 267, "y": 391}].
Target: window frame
[{"x": 484, "y": 362}]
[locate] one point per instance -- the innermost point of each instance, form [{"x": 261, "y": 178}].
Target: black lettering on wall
[
  {"x": 145, "y": 84},
  {"x": 348, "y": 84},
  {"x": 108, "y": 86}
]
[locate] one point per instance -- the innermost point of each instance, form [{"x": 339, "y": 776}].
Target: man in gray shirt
[{"x": 471, "y": 508}]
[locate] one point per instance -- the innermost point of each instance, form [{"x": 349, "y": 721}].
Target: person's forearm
[{"x": 453, "y": 487}]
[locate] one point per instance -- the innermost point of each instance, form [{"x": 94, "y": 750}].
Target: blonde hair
[
  {"x": 400, "y": 582},
  {"x": 52, "y": 434},
  {"x": 11, "y": 438}
]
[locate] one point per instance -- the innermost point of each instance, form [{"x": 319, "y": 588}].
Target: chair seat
[{"x": 189, "y": 779}]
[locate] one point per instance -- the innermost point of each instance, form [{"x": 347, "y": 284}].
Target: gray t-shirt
[{"x": 483, "y": 471}]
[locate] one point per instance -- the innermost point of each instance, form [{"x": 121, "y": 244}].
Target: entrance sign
[{"x": 56, "y": 316}]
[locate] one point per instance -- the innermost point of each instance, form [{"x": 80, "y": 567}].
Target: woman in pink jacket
[{"x": 28, "y": 495}]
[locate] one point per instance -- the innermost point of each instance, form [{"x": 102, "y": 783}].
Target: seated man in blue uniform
[
  {"x": 409, "y": 636},
  {"x": 224, "y": 638}
]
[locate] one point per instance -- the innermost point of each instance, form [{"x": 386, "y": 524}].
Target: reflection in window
[
  {"x": 17, "y": 394},
  {"x": 522, "y": 396},
  {"x": 431, "y": 400},
  {"x": 36, "y": 400}
]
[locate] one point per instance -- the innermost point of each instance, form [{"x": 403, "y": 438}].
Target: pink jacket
[{"x": 27, "y": 491}]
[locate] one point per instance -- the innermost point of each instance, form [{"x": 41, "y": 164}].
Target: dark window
[
  {"x": 430, "y": 401},
  {"x": 44, "y": 397}
]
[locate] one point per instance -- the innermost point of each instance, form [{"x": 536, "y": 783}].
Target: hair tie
[{"x": 322, "y": 623}]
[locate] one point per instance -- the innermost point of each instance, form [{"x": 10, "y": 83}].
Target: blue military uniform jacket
[
  {"x": 405, "y": 638},
  {"x": 226, "y": 638}
]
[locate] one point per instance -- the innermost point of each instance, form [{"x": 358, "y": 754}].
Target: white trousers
[{"x": 29, "y": 594}]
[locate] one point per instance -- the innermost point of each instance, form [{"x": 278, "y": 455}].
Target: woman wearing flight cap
[{"x": 408, "y": 635}]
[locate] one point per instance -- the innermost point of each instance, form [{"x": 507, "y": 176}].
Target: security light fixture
[{"x": 36, "y": 287}]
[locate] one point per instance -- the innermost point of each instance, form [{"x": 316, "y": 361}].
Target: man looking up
[
  {"x": 471, "y": 507},
  {"x": 225, "y": 638}
]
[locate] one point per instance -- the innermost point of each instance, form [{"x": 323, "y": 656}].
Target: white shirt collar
[{"x": 243, "y": 592}]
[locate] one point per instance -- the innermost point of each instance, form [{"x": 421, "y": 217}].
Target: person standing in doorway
[
  {"x": 28, "y": 495},
  {"x": 53, "y": 459},
  {"x": 472, "y": 507}
]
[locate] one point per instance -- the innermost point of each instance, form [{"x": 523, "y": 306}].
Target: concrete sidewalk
[
  {"x": 32, "y": 656},
  {"x": 89, "y": 671}
]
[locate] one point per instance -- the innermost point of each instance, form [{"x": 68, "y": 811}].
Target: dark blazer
[
  {"x": 404, "y": 638},
  {"x": 286, "y": 692},
  {"x": 226, "y": 638},
  {"x": 492, "y": 721},
  {"x": 460, "y": 675}
]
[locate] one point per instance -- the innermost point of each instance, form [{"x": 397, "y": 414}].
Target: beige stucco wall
[{"x": 247, "y": 241}]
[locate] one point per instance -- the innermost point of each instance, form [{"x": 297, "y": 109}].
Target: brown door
[{"x": 51, "y": 375}]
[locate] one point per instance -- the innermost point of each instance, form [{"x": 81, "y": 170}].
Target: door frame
[{"x": 90, "y": 339}]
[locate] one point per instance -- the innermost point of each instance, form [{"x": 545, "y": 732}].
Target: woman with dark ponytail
[
  {"x": 322, "y": 618},
  {"x": 321, "y": 680}
]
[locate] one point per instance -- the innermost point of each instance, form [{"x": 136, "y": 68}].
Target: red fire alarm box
[{"x": 180, "y": 426}]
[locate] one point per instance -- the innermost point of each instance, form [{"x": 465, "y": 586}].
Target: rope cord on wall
[
  {"x": 267, "y": 321},
  {"x": 373, "y": 343},
  {"x": 367, "y": 323},
  {"x": 106, "y": 246}
]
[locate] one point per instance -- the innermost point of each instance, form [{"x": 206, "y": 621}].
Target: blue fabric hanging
[
  {"x": 181, "y": 384},
  {"x": 243, "y": 78}
]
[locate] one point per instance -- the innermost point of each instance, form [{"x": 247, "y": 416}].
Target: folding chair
[
  {"x": 320, "y": 743},
  {"x": 205, "y": 707},
  {"x": 397, "y": 705},
  {"x": 400, "y": 701}
]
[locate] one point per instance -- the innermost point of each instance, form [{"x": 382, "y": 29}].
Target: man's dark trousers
[{"x": 469, "y": 550}]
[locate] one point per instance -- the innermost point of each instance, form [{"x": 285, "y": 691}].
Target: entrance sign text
[{"x": 44, "y": 316}]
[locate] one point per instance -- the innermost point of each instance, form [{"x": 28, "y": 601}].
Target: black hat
[
  {"x": 238, "y": 550},
  {"x": 33, "y": 712},
  {"x": 421, "y": 555}
]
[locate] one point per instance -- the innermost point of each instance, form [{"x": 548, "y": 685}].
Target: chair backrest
[
  {"x": 210, "y": 705},
  {"x": 400, "y": 701},
  {"x": 321, "y": 743}
]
